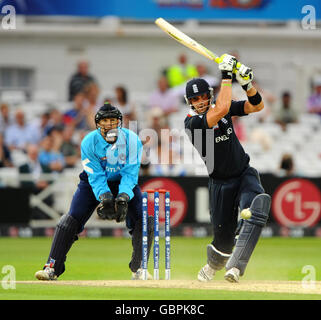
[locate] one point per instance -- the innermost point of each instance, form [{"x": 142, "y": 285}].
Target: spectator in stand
[
  {"x": 164, "y": 99},
  {"x": 33, "y": 167},
  {"x": 314, "y": 101},
  {"x": 287, "y": 166},
  {"x": 69, "y": 149},
  {"x": 80, "y": 79},
  {"x": 157, "y": 121},
  {"x": 19, "y": 134},
  {"x": 41, "y": 124},
  {"x": 285, "y": 113},
  {"x": 91, "y": 92},
  {"x": 35, "y": 182},
  {"x": 50, "y": 156},
  {"x": 179, "y": 91},
  {"x": 44, "y": 124},
  {"x": 125, "y": 107},
  {"x": 55, "y": 120},
  {"x": 203, "y": 73},
  {"x": 5, "y": 118},
  {"x": 178, "y": 74},
  {"x": 76, "y": 116},
  {"x": 5, "y": 156}
]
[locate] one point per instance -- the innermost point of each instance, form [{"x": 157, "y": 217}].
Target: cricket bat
[{"x": 186, "y": 40}]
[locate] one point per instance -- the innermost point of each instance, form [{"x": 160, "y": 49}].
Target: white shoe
[
  {"x": 138, "y": 275},
  {"x": 232, "y": 275},
  {"x": 206, "y": 274},
  {"x": 46, "y": 274}
]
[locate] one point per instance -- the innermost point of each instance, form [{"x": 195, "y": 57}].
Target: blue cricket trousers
[{"x": 227, "y": 197}]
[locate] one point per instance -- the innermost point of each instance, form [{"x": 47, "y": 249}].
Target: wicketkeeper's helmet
[{"x": 108, "y": 111}]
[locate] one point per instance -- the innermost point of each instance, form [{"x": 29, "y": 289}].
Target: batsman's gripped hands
[
  {"x": 227, "y": 64},
  {"x": 244, "y": 76}
]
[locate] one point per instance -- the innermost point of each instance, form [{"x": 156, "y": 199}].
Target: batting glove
[
  {"x": 227, "y": 64},
  {"x": 244, "y": 76}
]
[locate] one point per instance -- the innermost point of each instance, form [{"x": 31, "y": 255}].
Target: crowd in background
[{"x": 51, "y": 142}]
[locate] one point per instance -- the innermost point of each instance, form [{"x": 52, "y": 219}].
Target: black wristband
[
  {"x": 227, "y": 75},
  {"x": 256, "y": 99}
]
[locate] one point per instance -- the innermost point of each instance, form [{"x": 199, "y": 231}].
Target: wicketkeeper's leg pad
[{"x": 250, "y": 233}]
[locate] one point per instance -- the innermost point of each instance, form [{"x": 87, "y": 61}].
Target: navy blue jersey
[{"x": 219, "y": 147}]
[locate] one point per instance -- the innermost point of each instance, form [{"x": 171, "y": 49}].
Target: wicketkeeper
[
  {"x": 233, "y": 184},
  {"x": 111, "y": 157}
]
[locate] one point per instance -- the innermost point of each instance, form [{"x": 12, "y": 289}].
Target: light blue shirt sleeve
[
  {"x": 130, "y": 171},
  {"x": 96, "y": 173}
]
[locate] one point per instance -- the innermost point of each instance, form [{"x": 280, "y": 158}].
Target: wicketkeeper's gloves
[
  {"x": 121, "y": 206},
  {"x": 106, "y": 208}
]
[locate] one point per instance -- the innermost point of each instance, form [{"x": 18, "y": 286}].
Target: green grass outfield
[{"x": 105, "y": 260}]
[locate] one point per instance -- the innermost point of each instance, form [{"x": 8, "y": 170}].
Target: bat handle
[{"x": 238, "y": 64}]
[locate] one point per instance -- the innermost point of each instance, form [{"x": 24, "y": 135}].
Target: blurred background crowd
[{"x": 48, "y": 140}]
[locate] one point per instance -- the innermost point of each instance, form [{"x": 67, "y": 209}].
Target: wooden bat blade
[{"x": 185, "y": 39}]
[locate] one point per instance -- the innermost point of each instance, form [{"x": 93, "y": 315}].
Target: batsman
[
  {"x": 111, "y": 157},
  {"x": 233, "y": 184}
]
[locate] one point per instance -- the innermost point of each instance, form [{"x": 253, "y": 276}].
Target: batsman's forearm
[
  {"x": 223, "y": 101},
  {"x": 222, "y": 106},
  {"x": 255, "y": 102},
  {"x": 255, "y": 98}
]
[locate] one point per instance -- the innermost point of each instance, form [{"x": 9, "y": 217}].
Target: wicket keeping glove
[
  {"x": 121, "y": 206},
  {"x": 106, "y": 208},
  {"x": 244, "y": 76},
  {"x": 227, "y": 64}
]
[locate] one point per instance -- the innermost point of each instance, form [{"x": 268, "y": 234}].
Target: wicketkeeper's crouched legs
[
  {"x": 250, "y": 233},
  {"x": 136, "y": 259},
  {"x": 65, "y": 235}
]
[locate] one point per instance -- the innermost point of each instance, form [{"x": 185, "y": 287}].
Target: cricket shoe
[
  {"x": 47, "y": 274},
  {"x": 206, "y": 274},
  {"x": 232, "y": 275},
  {"x": 139, "y": 275}
]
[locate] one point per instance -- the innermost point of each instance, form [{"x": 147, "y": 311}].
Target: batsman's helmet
[{"x": 197, "y": 87}]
